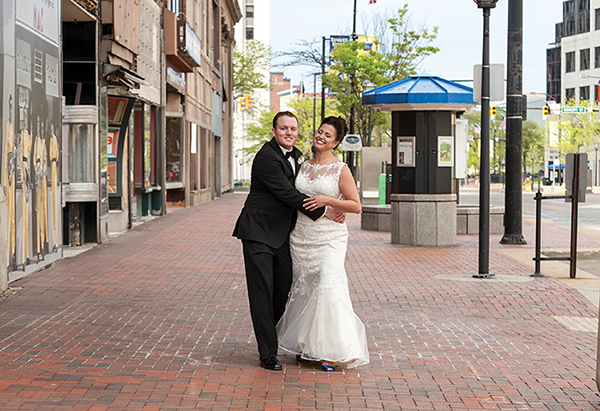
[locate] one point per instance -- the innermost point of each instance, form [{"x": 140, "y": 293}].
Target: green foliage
[
  {"x": 533, "y": 143},
  {"x": 355, "y": 68},
  {"x": 474, "y": 117},
  {"x": 251, "y": 68},
  {"x": 577, "y": 132},
  {"x": 352, "y": 70},
  {"x": 497, "y": 142},
  {"x": 408, "y": 46},
  {"x": 258, "y": 132}
]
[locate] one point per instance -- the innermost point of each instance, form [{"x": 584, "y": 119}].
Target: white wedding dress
[{"x": 319, "y": 322}]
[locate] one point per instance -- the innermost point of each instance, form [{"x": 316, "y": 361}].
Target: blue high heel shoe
[{"x": 327, "y": 368}]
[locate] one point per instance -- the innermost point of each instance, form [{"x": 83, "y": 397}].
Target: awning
[{"x": 119, "y": 74}]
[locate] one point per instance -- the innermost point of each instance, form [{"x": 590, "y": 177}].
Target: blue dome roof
[{"x": 420, "y": 90}]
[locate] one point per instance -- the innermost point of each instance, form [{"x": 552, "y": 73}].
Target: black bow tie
[{"x": 288, "y": 155}]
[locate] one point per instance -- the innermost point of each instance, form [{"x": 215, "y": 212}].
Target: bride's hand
[{"x": 315, "y": 202}]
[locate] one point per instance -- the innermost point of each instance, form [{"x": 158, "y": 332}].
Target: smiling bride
[{"x": 319, "y": 323}]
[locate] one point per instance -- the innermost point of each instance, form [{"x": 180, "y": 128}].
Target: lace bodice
[{"x": 320, "y": 179}]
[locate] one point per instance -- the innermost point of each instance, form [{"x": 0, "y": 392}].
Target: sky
[{"x": 460, "y": 37}]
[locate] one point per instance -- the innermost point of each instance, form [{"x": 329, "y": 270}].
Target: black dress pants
[{"x": 269, "y": 278}]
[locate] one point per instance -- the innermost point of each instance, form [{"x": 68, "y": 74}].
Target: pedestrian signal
[
  {"x": 545, "y": 112},
  {"x": 493, "y": 112}
]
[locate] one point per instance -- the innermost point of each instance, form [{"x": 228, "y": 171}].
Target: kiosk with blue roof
[{"x": 424, "y": 110}]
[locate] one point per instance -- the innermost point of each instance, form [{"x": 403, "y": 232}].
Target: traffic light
[
  {"x": 248, "y": 101},
  {"x": 493, "y": 112},
  {"x": 241, "y": 103},
  {"x": 545, "y": 112}
]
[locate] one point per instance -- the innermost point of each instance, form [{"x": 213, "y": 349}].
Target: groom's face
[{"x": 286, "y": 132}]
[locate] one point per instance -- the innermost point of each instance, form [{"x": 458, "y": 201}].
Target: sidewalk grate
[
  {"x": 588, "y": 324},
  {"x": 498, "y": 278}
]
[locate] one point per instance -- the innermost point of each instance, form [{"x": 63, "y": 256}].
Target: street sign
[
  {"x": 496, "y": 82},
  {"x": 352, "y": 142},
  {"x": 573, "y": 109},
  {"x": 554, "y": 108}
]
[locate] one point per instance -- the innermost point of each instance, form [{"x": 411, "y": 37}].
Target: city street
[
  {"x": 556, "y": 210},
  {"x": 157, "y": 319}
]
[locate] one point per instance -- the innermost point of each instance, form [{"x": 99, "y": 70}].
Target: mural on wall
[{"x": 31, "y": 119}]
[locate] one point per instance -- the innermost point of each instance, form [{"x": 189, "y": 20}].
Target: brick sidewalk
[{"x": 157, "y": 319}]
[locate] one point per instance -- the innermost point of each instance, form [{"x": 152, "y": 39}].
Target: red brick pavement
[{"x": 157, "y": 319}]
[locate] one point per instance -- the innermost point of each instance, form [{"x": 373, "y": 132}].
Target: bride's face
[{"x": 325, "y": 138}]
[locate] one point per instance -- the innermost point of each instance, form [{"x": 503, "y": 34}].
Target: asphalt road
[{"x": 556, "y": 210}]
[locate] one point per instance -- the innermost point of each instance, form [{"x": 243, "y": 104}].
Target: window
[
  {"x": 81, "y": 157},
  {"x": 570, "y": 94},
  {"x": 597, "y": 57},
  {"x": 570, "y": 62},
  {"x": 173, "y": 150},
  {"x": 249, "y": 33},
  {"x": 249, "y": 11},
  {"x": 174, "y": 6},
  {"x": 584, "y": 59},
  {"x": 584, "y": 93},
  {"x": 597, "y": 20}
]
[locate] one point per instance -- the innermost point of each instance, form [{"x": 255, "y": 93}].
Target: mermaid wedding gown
[{"x": 319, "y": 322}]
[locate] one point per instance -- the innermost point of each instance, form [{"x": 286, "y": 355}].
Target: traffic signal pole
[{"x": 513, "y": 226}]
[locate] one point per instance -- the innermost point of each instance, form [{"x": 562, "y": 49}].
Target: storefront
[
  {"x": 31, "y": 135},
  {"x": 174, "y": 136}
]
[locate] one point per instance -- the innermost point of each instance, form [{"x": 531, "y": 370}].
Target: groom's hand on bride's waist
[{"x": 335, "y": 215}]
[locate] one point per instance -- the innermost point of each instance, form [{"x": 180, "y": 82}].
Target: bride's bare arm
[{"x": 349, "y": 204}]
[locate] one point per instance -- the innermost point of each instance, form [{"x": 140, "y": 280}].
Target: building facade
[
  {"x": 577, "y": 42},
  {"x": 255, "y": 24},
  {"x": 110, "y": 109}
]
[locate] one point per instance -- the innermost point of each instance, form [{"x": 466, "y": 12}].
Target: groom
[{"x": 264, "y": 226}]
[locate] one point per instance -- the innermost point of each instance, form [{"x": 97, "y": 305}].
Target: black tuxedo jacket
[{"x": 269, "y": 214}]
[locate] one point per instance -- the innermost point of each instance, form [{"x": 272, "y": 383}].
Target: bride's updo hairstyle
[{"x": 341, "y": 128}]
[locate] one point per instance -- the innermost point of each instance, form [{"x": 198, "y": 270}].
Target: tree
[
  {"x": 404, "y": 46},
  {"x": 401, "y": 49},
  {"x": 533, "y": 143},
  {"x": 251, "y": 68},
  {"x": 353, "y": 69},
  {"x": 259, "y": 132},
  {"x": 578, "y": 131}
]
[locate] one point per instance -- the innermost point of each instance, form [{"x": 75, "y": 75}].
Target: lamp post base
[
  {"x": 513, "y": 239},
  {"x": 488, "y": 275}
]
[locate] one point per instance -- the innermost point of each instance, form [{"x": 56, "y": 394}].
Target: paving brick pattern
[{"x": 157, "y": 319}]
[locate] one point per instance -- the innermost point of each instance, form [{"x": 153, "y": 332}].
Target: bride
[{"x": 319, "y": 323}]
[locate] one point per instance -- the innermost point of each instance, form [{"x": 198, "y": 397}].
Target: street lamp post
[
  {"x": 484, "y": 188},
  {"x": 350, "y": 155}
]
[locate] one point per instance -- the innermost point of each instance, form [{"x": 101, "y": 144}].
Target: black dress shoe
[{"x": 271, "y": 364}]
